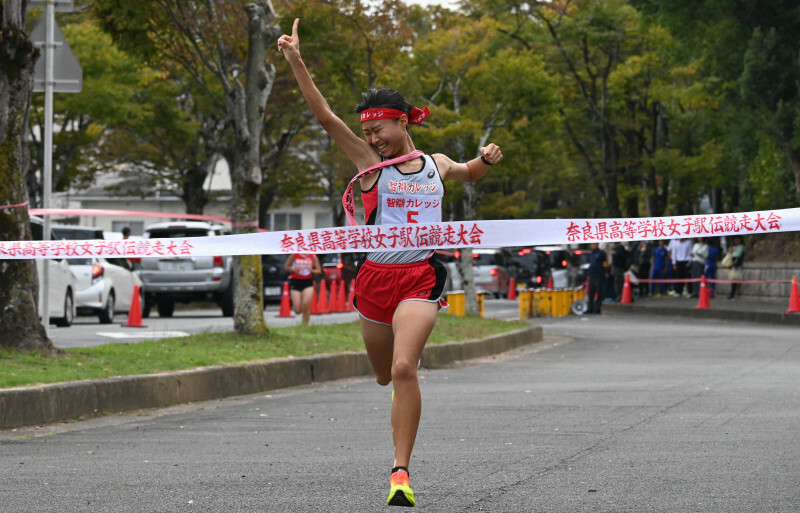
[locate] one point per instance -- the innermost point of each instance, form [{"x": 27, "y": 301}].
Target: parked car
[
  {"x": 73, "y": 232},
  {"x": 339, "y": 266},
  {"x": 493, "y": 268},
  {"x": 61, "y": 282},
  {"x": 185, "y": 278},
  {"x": 533, "y": 267},
  {"x": 562, "y": 266},
  {"x": 274, "y": 275},
  {"x": 105, "y": 287},
  {"x": 581, "y": 258}
]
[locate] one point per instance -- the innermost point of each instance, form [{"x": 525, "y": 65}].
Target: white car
[
  {"x": 61, "y": 288},
  {"x": 492, "y": 268},
  {"x": 105, "y": 286}
]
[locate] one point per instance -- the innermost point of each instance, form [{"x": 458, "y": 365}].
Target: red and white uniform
[
  {"x": 386, "y": 279},
  {"x": 399, "y": 198},
  {"x": 303, "y": 263}
]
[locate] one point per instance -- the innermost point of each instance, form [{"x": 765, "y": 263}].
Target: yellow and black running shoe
[{"x": 401, "y": 493}]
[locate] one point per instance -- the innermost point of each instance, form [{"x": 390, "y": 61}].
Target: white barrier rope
[{"x": 404, "y": 237}]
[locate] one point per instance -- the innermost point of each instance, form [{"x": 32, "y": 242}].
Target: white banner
[{"x": 403, "y": 237}]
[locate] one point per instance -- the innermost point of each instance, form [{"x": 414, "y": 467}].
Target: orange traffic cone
[
  {"x": 550, "y": 283},
  {"x": 351, "y": 296},
  {"x": 512, "y": 288},
  {"x": 627, "y": 297},
  {"x": 794, "y": 298},
  {"x": 322, "y": 298},
  {"x": 341, "y": 300},
  {"x": 135, "y": 313},
  {"x": 703, "y": 301},
  {"x": 334, "y": 306},
  {"x": 314, "y": 303},
  {"x": 286, "y": 302}
]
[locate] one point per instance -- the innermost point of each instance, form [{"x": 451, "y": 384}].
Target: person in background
[
  {"x": 598, "y": 263},
  {"x": 737, "y": 251},
  {"x": 620, "y": 265},
  {"x": 680, "y": 251},
  {"x": 710, "y": 271},
  {"x": 302, "y": 267},
  {"x": 698, "y": 263},
  {"x": 659, "y": 271},
  {"x": 644, "y": 256},
  {"x": 126, "y": 233}
]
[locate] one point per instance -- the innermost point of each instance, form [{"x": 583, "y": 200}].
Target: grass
[{"x": 21, "y": 368}]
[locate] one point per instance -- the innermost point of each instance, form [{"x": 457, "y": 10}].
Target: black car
[
  {"x": 532, "y": 267},
  {"x": 274, "y": 275}
]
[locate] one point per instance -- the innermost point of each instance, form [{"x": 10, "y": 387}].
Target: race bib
[{"x": 402, "y": 209}]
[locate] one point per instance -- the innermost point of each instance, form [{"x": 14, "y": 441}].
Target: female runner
[
  {"x": 398, "y": 294},
  {"x": 302, "y": 268}
]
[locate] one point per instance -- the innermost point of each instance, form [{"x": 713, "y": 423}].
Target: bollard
[
  {"x": 479, "y": 298},
  {"x": 525, "y": 304},
  {"x": 457, "y": 304}
]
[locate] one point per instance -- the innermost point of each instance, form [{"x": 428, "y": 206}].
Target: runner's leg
[
  {"x": 379, "y": 343},
  {"x": 413, "y": 322},
  {"x": 307, "y": 295},
  {"x": 297, "y": 300}
]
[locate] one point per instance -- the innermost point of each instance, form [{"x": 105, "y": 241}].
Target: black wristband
[{"x": 483, "y": 159}]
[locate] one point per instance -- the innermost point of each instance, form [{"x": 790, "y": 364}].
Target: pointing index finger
[{"x": 294, "y": 27}]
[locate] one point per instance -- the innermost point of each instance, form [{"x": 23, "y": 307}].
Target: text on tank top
[{"x": 400, "y": 198}]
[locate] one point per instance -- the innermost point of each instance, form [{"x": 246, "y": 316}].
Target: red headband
[{"x": 416, "y": 117}]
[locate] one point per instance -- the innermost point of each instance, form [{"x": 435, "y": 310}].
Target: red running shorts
[{"x": 380, "y": 288}]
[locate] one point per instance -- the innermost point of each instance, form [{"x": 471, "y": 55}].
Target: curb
[
  {"x": 705, "y": 313},
  {"x": 43, "y": 404}
]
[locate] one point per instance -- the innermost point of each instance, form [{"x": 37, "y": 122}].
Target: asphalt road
[{"x": 609, "y": 414}]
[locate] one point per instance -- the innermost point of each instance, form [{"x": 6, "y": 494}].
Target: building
[{"x": 115, "y": 191}]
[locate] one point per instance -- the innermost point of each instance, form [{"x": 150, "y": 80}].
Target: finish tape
[
  {"x": 129, "y": 213},
  {"x": 4, "y": 207},
  {"x": 405, "y": 237}
]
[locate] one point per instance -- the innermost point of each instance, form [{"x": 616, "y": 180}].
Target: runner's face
[{"x": 388, "y": 136}]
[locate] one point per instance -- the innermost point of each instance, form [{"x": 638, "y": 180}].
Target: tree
[
  {"x": 624, "y": 98},
  {"x": 19, "y": 318},
  {"x": 113, "y": 83},
  {"x": 349, "y": 45},
  {"x": 205, "y": 39},
  {"x": 750, "y": 48}
]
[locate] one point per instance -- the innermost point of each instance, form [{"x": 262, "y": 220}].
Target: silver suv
[{"x": 185, "y": 279}]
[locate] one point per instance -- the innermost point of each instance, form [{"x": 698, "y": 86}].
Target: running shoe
[{"x": 401, "y": 493}]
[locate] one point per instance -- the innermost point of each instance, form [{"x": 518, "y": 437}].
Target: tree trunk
[
  {"x": 247, "y": 106},
  {"x": 19, "y": 291}
]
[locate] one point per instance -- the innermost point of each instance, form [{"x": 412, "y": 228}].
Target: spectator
[
  {"x": 126, "y": 232},
  {"x": 711, "y": 267},
  {"x": 597, "y": 276},
  {"x": 698, "y": 263},
  {"x": 680, "y": 251},
  {"x": 659, "y": 272},
  {"x": 642, "y": 261},
  {"x": 737, "y": 252},
  {"x": 620, "y": 265}
]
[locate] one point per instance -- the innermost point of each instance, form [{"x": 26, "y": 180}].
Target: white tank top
[{"x": 400, "y": 198}]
